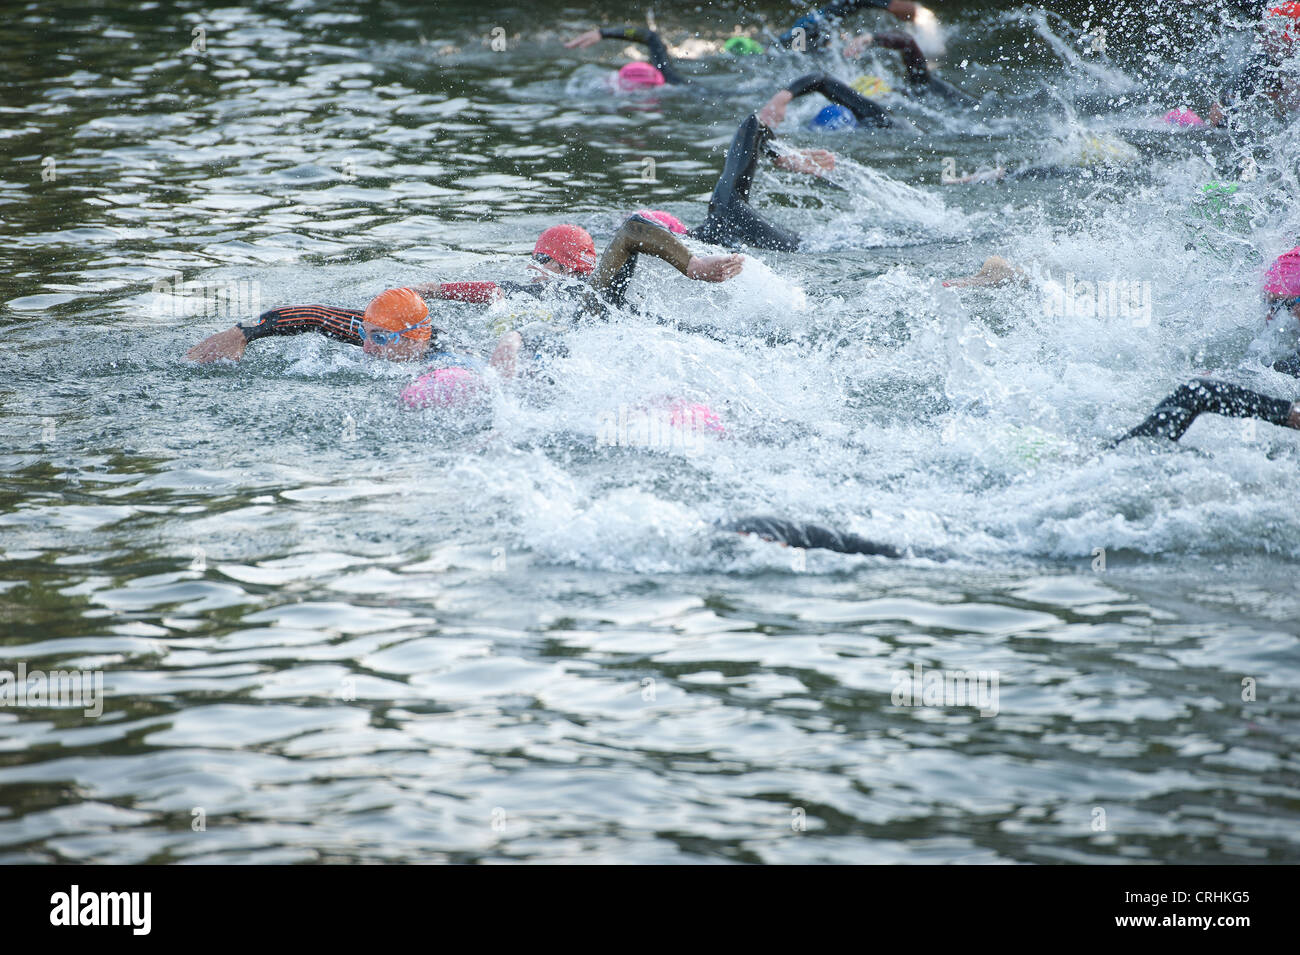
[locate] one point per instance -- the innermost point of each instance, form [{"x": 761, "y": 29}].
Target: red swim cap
[
  {"x": 397, "y": 310},
  {"x": 1283, "y": 276},
  {"x": 569, "y": 246},
  {"x": 1283, "y": 22},
  {"x": 638, "y": 75}
]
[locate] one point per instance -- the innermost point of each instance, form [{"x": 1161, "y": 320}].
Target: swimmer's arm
[
  {"x": 638, "y": 235},
  {"x": 835, "y": 91},
  {"x": 479, "y": 293},
  {"x": 342, "y": 324},
  {"x": 505, "y": 357},
  {"x": 918, "y": 74}
]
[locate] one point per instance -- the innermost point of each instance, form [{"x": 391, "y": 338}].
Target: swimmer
[
  {"x": 920, "y": 81},
  {"x": 732, "y": 222},
  {"x": 1275, "y": 43},
  {"x": 1175, "y": 414},
  {"x": 658, "y": 72},
  {"x": 813, "y": 31},
  {"x": 395, "y": 326},
  {"x": 564, "y": 260}
]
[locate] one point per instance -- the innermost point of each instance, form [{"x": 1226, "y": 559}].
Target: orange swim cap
[
  {"x": 397, "y": 309},
  {"x": 570, "y": 246}
]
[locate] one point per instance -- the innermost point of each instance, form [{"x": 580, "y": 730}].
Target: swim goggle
[
  {"x": 384, "y": 338},
  {"x": 1282, "y": 304}
]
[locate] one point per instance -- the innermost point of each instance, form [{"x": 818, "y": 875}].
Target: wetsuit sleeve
[
  {"x": 731, "y": 221},
  {"x": 1173, "y": 416},
  {"x": 618, "y": 264},
  {"x": 862, "y": 108},
  {"x": 916, "y": 70},
  {"x": 341, "y": 324},
  {"x": 918, "y": 74},
  {"x": 658, "y": 50},
  {"x": 813, "y": 23}
]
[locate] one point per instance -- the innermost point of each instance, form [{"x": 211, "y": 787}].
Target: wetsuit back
[{"x": 799, "y": 534}]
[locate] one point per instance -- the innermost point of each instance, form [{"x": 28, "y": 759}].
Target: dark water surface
[{"x": 332, "y": 630}]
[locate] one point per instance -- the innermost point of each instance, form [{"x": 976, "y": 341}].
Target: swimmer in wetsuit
[
  {"x": 1278, "y": 34},
  {"x": 920, "y": 81},
  {"x": 815, "y": 30},
  {"x": 564, "y": 259},
  {"x": 660, "y": 61},
  {"x": 732, "y": 222},
  {"x": 1173, "y": 416}
]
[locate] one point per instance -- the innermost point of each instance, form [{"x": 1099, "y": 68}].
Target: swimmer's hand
[
  {"x": 772, "y": 114},
  {"x": 1215, "y": 116},
  {"x": 853, "y": 49},
  {"x": 505, "y": 358},
  {"x": 228, "y": 345},
  {"x": 903, "y": 9},
  {"x": 995, "y": 271},
  {"x": 714, "y": 268},
  {"x": 814, "y": 162},
  {"x": 584, "y": 40}
]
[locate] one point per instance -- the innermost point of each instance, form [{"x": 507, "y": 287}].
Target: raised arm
[
  {"x": 342, "y": 324},
  {"x": 637, "y": 235}
]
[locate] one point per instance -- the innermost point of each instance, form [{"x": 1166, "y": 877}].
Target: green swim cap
[{"x": 742, "y": 46}]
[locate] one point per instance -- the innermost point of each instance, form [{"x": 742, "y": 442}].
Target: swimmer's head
[
  {"x": 1281, "y": 25},
  {"x": 833, "y": 117},
  {"x": 665, "y": 219},
  {"x": 566, "y": 250},
  {"x": 638, "y": 76},
  {"x": 1183, "y": 117},
  {"x": 443, "y": 388},
  {"x": 742, "y": 46},
  {"x": 1282, "y": 280},
  {"x": 395, "y": 324},
  {"x": 872, "y": 86}
]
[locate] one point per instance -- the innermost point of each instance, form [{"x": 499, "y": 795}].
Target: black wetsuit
[
  {"x": 919, "y": 78},
  {"x": 732, "y": 221},
  {"x": 800, "y": 534},
  {"x": 1173, "y": 416}
]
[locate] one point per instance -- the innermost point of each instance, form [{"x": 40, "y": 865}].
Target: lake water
[{"x": 329, "y": 629}]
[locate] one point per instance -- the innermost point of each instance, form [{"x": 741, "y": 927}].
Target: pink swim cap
[
  {"x": 1283, "y": 276},
  {"x": 1183, "y": 117},
  {"x": 693, "y": 416},
  {"x": 638, "y": 75},
  {"x": 665, "y": 219},
  {"x": 443, "y": 388}
]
